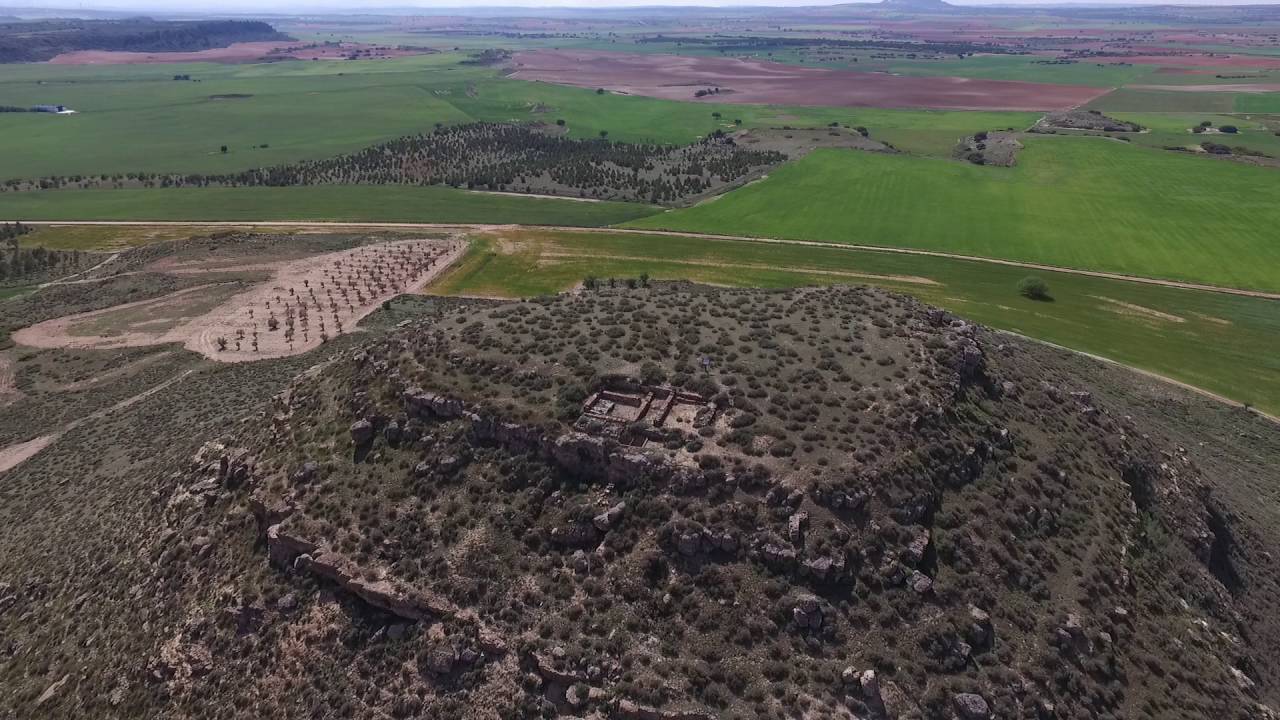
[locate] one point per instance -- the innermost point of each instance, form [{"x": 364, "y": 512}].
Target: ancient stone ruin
[{"x": 638, "y": 414}]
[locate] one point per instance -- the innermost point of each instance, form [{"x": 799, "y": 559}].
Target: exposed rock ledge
[{"x": 287, "y": 550}]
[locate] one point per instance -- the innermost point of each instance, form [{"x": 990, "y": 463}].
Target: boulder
[
  {"x": 1072, "y": 637},
  {"x": 980, "y": 630},
  {"x": 575, "y": 535},
  {"x": 819, "y": 568},
  {"x": 269, "y": 510},
  {"x": 778, "y": 557},
  {"x": 605, "y": 521},
  {"x": 627, "y": 710},
  {"x": 968, "y": 360},
  {"x": 579, "y": 453},
  {"x": 283, "y": 548},
  {"x": 439, "y": 657},
  {"x": 306, "y": 473},
  {"x": 796, "y": 525},
  {"x": 392, "y": 433},
  {"x": 689, "y": 543},
  {"x": 361, "y": 432},
  {"x": 971, "y": 706},
  {"x": 920, "y": 582},
  {"x": 236, "y": 467},
  {"x": 918, "y": 546},
  {"x": 807, "y": 612}
]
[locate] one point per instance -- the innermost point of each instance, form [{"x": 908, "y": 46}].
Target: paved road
[{"x": 669, "y": 233}]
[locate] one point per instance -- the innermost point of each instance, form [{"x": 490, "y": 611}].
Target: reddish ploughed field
[
  {"x": 756, "y": 82},
  {"x": 235, "y": 53}
]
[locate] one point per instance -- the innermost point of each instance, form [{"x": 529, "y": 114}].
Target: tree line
[
  {"x": 529, "y": 158},
  {"x": 18, "y": 264}
]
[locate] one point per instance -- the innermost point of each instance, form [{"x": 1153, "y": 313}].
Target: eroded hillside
[
  {"x": 826, "y": 503},
  {"x": 678, "y": 502}
]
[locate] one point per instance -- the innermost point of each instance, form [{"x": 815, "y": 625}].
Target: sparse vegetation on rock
[{"x": 835, "y": 499}]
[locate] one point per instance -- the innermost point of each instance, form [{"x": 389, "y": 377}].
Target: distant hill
[
  {"x": 37, "y": 41},
  {"x": 917, "y": 4}
]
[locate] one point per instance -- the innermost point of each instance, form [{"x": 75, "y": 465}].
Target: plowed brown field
[{"x": 676, "y": 77}]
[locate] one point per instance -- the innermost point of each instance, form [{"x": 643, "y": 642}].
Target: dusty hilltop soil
[
  {"x": 754, "y": 81},
  {"x": 855, "y": 506}
]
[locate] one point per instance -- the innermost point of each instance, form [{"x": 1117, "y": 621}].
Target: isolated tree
[
  {"x": 224, "y": 149},
  {"x": 222, "y": 344},
  {"x": 1034, "y": 288}
]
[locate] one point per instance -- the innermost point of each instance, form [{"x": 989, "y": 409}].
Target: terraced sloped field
[{"x": 1086, "y": 203}]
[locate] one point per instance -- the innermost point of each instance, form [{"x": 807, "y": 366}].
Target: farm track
[
  {"x": 68, "y": 279},
  {"x": 456, "y": 227},
  {"x": 672, "y": 233},
  {"x": 1147, "y": 373},
  {"x": 14, "y": 455}
]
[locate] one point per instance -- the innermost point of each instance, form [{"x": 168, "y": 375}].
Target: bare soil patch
[
  {"x": 145, "y": 322},
  {"x": 1126, "y": 308},
  {"x": 303, "y": 304},
  {"x": 314, "y": 299},
  {"x": 758, "y": 82},
  {"x": 15, "y": 455}
]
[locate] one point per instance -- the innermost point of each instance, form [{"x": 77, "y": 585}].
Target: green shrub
[{"x": 1034, "y": 288}]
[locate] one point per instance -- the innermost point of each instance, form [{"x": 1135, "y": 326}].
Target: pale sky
[{"x": 356, "y": 6}]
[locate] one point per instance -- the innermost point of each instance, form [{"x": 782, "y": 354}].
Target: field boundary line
[
  {"x": 1107, "y": 275},
  {"x": 1148, "y": 374}
]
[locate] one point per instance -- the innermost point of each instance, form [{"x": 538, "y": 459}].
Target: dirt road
[{"x": 461, "y": 227}]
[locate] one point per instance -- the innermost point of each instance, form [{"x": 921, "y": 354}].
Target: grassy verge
[
  {"x": 1076, "y": 202},
  {"x": 338, "y": 203},
  {"x": 108, "y": 238},
  {"x": 1226, "y": 344}
]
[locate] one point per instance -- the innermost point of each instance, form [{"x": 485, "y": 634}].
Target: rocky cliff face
[{"x": 893, "y": 513}]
